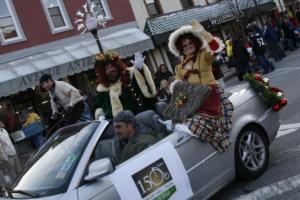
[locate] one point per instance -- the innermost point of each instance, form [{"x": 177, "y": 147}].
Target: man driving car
[{"x": 132, "y": 136}]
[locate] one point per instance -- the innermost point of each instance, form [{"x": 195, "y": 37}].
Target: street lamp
[{"x": 91, "y": 25}]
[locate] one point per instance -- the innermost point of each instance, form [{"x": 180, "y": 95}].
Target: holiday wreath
[{"x": 271, "y": 95}]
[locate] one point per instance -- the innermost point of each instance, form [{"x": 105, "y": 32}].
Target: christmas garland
[{"x": 271, "y": 95}]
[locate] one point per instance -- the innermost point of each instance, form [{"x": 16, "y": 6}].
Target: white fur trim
[
  {"x": 221, "y": 46},
  {"x": 98, "y": 112},
  {"x": 141, "y": 81},
  {"x": 115, "y": 91},
  {"x": 183, "y": 30}
]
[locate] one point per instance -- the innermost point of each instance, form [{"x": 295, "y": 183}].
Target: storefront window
[
  {"x": 187, "y": 4},
  {"x": 153, "y": 7},
  {"x": 101, "y": 8}
]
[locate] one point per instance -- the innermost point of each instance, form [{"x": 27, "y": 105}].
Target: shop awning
[
  {"x": 19, "y": 74},
  {"x": 160, "y": 27}
]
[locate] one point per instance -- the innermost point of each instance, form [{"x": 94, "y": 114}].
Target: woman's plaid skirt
[{"x": 211, "y": 129}]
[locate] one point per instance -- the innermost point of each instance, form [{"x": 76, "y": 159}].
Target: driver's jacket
[{"x": 141, "y": 140}]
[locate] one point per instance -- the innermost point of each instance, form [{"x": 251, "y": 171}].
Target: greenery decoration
[{"x": 271, "y": 95}]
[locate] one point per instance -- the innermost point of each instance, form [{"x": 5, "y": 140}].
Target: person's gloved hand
[
  {"x": 138, "y": 60},
  {"x": 201, "y": 30},
  {"x": 54, "y": 116}
]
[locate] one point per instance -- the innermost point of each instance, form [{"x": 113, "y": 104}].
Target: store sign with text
[
  {"x": 225, "y": 18},
  {"x": 59, "y": 71},
  {"x": 153, "y": 176}
]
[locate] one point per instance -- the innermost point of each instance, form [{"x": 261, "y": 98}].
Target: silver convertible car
[{"x": 77, "y": 161}]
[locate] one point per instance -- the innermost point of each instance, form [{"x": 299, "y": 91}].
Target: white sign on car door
[{"x": 157, "y": 174}]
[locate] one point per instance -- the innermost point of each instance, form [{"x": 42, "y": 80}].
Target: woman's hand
[
  {"x": 201, "y": 30},
  {"x": 197, "y": 26}
]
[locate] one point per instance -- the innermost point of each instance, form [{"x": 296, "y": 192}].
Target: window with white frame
[
  {"x": 153, "y": 7},
  {"x": 10, "y": 29},
  {"x": 187, "y": 3},
  {"x": 57, "y": 15},
  {"x": 101, "y": 8}
]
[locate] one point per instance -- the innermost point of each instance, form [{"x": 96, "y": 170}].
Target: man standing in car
[
  {"x": 65, "y": 96},
  {"x": 133, "y": 137}
]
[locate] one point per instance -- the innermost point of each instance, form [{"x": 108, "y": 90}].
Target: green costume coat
[{"x": 139, "y": 95}]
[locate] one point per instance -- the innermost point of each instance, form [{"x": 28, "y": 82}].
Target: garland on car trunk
[{"x": 271, "y": 95}]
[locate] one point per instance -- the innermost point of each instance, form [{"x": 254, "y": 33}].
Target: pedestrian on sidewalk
[
  {"x": 298, "y": 14},
  {"x": 34, "y": 120},
  {"x": 289, "y": 34},
  {"x": 272, "y": 39},
  {"x": 217, "y": 72},
  {"x": 9, "y": 160},
  {"x": 229, "y": 52},
  {"x": 164, "y": 93},
  {"x": 258, "y": 46},
  {"x": 63, "y": 96},
  {"x": 241, "y": 58},
  {"x": 162, "y": 74}
]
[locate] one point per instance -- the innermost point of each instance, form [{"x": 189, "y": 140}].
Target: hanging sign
[{"x": 225, "y": 18}]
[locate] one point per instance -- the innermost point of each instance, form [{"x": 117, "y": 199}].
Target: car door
[
  {"x": 207, "y": 169},
  {"x": 100, "y": 189}
]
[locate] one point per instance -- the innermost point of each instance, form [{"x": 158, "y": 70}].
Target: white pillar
[{"x": 280, "y": 5}]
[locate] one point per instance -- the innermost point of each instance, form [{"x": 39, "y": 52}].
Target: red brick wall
[{"x": 36, "y": 28}]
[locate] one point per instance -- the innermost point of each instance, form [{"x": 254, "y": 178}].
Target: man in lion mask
[{"x": 121, "y": 87}]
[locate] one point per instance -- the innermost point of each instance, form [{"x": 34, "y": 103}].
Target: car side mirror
[{"x": 99, "y": 169}]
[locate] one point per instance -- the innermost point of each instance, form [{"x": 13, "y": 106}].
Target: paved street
[{"x": 282, "y": 178}]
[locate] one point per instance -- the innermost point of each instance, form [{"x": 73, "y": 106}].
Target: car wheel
[{"x": 251, "y": 153}]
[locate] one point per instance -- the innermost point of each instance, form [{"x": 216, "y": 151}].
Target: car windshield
[{"x": 51, "y": 170}]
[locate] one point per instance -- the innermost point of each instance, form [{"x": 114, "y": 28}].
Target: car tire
[{"x": 251, "y": 153}]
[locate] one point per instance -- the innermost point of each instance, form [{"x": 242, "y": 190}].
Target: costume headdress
[
  {"x": 102, "y": 60},
  {"x": 106, "y": 57},
  {"x": 182, "y": 31}
]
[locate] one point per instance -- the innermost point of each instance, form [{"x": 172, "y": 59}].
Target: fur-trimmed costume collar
[{"x": 115, "y": 90}]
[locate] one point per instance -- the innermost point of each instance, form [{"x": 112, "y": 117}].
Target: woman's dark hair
[
  {"x": 162, "y": 65},
  {"x": 195, "y": 40}
]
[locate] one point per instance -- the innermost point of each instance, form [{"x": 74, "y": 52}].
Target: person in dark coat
[
  {"x": 217, "y": 72},
  {"x": 272, "y": 39},
  {"x": 298, "y": 14},
  {"x": 162, "y": 74},
  {"x": 289, "y": 34},
  {"x": 241, "y": 57},
  {"x": 164, "y": 93},
  {"x": 258, "y": 47}
]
